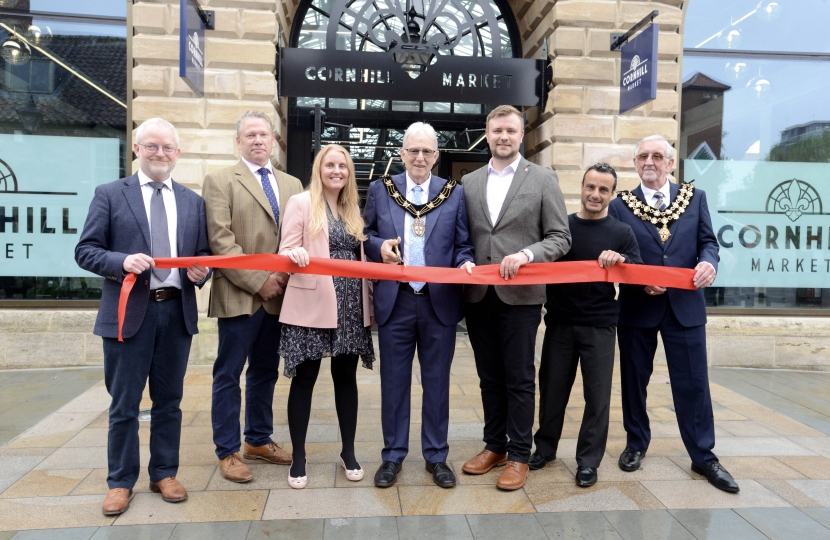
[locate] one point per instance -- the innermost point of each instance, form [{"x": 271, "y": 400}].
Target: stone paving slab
[{"x": 59, "y": 464}]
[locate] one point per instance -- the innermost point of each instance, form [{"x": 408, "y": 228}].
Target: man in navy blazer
[
  {"x": 413, "y": 313},
  {"x": 679, "y": 315},
  {"x": 130, "y": 221}
]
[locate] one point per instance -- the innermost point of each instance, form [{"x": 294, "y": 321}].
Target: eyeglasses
[
  {"x": 153, "y": 148},
  {"x": 656, "y": 158},
  {"x": 420, "y": 152}
]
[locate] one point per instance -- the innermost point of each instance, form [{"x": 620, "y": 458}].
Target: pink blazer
[{"x": 310, "y": 300}]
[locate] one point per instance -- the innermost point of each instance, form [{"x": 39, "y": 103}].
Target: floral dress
[{"x": 300, "y": 343}]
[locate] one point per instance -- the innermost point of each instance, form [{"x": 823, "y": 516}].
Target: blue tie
[
  {"x": 269, "y": 192},
  {"x": 659, "y": 204},
  {"x": 416, "y": 247}
]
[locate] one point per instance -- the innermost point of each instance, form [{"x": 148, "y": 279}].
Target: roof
[
  {"x": 102, "y": 60},
  {"x": 699, "y": 81}
]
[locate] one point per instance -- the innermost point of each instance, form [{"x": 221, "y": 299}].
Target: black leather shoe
[
  {"x": 387, "y": 474},
  {"x": 441, "y": 474},
  {"x": 718, "y": 476},
  {"x": 586, "y": 476},
  {"x": 630, "y": 459},
  {"x": 538, "y": 461}
]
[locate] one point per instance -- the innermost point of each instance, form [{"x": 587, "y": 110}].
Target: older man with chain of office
[{"x": 673, "y": 228}]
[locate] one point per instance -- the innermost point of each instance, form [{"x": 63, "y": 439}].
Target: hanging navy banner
[
  {"x": 638, "y": 75},
  {"x": 191, "y": 47},
  {"x": 379, "y": 75}
]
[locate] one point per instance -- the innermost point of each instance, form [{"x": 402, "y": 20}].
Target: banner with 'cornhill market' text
[{"x": 770, "y": 219}]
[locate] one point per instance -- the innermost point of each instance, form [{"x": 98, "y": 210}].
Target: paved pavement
[{"x": 771, "y": 429}]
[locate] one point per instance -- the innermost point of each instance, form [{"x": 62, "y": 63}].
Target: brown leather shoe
[
  {"x": 171, "y": 490},
  {"x": 483, "y": 462},
  {"x": 117, "y": 501},
  {"x": 234, "y": 469},
  {"x": 513, "y": 477},
  {"x": 270, "y": 453}
]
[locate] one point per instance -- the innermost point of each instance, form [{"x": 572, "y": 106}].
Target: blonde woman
[{"x": 325, "y": 316}]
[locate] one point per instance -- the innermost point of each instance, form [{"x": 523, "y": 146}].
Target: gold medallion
[
  {"x": 419, "y": 226},
  {"x": 664, "y": 233}
]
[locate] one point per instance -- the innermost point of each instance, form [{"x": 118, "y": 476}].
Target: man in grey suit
[
  {"x": 517, "y": 215},
  {"x": 130, "y": 221}
]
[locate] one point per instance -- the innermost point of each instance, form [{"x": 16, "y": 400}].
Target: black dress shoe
[
  {"x": 631, "y": 459},
  {"x": 538, "y": 461},
  {"x": 718, "y": 476},
  {"x": 387, "y": 474},
  {"x": 586, "y": 476},
  {"x": 441, "y": 474}
]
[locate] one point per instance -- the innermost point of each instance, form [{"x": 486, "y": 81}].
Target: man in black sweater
[{"x": 581, "y": 325}]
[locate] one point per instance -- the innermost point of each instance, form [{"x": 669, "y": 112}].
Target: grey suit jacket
[
  {"x": 116, "y": 226},
  {"x": 533, "y": 216}
]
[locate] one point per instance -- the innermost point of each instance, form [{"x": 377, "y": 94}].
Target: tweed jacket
[
  {"x": 533, "y": 216},
  {"x": 240, "y": 221}
]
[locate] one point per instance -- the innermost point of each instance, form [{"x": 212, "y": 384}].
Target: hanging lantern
[
  {"x": 40, "y": 36},
  {"x": 16, "y": 51}
]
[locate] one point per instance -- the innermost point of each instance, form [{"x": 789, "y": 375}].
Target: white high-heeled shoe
[
  {"x": 298, "y": 482},
  {"x": 355, "y": 475}
]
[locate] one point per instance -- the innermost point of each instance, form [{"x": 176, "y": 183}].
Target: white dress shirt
[
  {"x": 648, "y": 193},
  {"x": 271, "y": 177},
  {"x": 498, "y": 184},
  {"x": 410, "y": 196},
  {"x": 174, "y": 279}
]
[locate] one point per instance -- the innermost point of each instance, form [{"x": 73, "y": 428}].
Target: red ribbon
[{"x": 530, "y": 274}]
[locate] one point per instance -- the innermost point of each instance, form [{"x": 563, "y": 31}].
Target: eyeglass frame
[
  {"x": 149, "y": 147},
  {"x": 655, "y": 157},
  {"x": 420, "y": 152}
]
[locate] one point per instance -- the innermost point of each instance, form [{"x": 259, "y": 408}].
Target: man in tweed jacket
[
  {"x": 243, "y": 203},
  {"x": 517, "y": 215}
]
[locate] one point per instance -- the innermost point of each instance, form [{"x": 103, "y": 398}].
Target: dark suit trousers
[
  {"x": 504, "y": 340},
  {"x": 257, "y": 340},
  {"x": 566, "y": 347},
  {"x": 157, "y": 352},
  {"x": 686, "y": 358},
  {"x": 413, "y": 322}
]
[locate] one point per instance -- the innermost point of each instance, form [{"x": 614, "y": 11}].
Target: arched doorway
[{"x": 416, "y": 33}]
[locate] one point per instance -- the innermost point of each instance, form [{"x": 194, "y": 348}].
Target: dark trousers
[
  {"x": 414, "y": 322},
  {"x": 686, "y": 358},
  {"x": 504, "y": 340},
  {"x": 566, "y": 347},
  {"x": 157, "y": 352},
  {"x": 257, "y": 340}
]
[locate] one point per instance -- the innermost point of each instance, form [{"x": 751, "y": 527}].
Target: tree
[{"x": 808, "y": 150}]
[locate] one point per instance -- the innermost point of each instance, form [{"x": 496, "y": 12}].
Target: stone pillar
[{"x": 580, "y": 125}]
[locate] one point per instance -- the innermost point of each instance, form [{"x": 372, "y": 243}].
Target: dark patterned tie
[
  {"x": 659, "y": 203},
  {"x": 159, "y": 231},
  {"x": 269, "y": 192}
]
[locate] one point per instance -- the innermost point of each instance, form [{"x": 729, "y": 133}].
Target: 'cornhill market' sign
[
  {"x": 770, "y": 222},
  {"x": 415, "y": 66}
]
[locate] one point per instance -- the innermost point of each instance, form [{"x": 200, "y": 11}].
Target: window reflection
[{"x": 62, "y": 108}]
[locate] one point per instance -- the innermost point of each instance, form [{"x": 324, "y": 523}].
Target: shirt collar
[
  {"x": 648, "y": 193},
  {"x": 513, "y": 167},
  {"x": 411, "y": 183},
  {"x": 144, "y": 179},
  {"x": 255, "y": 168}
]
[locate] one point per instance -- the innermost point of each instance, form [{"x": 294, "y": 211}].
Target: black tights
[{"x": 343, "y": 374}]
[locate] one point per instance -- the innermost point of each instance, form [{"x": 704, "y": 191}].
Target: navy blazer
[
  {"x": 692, "y": 241},
  {"x": 117, "y": 226},
  {"x": 446, "y": 244}
]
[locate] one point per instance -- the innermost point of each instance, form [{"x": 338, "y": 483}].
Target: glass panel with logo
[
  {"x": 62, "y": 133},
  {"x": 755, "y": 136}
]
